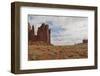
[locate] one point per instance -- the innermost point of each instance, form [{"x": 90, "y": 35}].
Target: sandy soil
[{"x": 37, "y": 51}]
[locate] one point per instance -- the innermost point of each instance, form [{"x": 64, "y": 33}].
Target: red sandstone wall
[{"x": 43, "y": 33}]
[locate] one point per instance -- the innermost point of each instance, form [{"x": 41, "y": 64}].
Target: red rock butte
[{"x": 43, "y": 33}]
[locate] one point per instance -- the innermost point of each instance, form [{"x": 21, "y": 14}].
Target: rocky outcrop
[
  {"x": 43, "y": 33},
  {"x": 85, "y": 41}
]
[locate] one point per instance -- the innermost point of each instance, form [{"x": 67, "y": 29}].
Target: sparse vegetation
[{"x": 43, "y": 51}]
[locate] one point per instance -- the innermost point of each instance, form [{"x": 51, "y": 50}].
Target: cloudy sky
[{"x": 65, "y": 30}]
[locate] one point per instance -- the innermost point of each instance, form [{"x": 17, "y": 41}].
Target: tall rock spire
[
  {"x": 43, "y": 33},
  {"x": 33, "y": 30}
]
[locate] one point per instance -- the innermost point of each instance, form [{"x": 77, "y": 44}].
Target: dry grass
[{"x": 47, "y": 52}]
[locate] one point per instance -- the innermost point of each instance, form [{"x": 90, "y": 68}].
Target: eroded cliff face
[{"x": 43, "y": 33}]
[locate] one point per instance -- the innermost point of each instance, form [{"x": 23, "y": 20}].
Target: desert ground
[{"x": 43, "y": 51}]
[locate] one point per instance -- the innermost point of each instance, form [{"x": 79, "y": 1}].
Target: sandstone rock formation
[{"x": 43, "y": 33}]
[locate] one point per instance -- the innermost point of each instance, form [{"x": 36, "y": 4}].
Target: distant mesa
[
  {"x": 85, "y": 41},
  {"x": 43, "y": 33}
]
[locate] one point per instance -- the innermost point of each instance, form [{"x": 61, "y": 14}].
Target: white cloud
[{"x": 66, "y": 30}]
